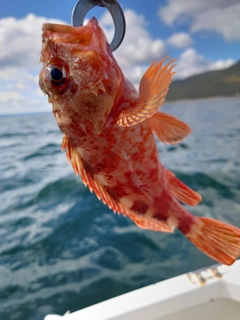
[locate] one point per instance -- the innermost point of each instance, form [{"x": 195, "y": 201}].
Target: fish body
[{"x": 108, "y": 136}]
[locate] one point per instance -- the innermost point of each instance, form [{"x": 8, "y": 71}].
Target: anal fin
[
  {"x": 147, "y": 222},
  {"x": 181, "y": 191}
]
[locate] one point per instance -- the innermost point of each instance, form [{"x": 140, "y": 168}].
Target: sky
[{"x": 202, "y": 34}]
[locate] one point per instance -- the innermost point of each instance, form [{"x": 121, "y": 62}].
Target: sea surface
[{"x": 62, "y": 249}]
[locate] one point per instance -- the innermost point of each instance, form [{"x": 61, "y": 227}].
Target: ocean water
[{"x": 62, "y": 249}]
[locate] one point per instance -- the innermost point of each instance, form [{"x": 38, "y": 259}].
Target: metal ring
[{"x": 83, "y": 6}]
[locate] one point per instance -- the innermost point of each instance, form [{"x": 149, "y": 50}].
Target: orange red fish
[{"x": 108, "y": 136}]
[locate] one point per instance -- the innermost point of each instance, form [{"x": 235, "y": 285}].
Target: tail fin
[{"x": 217, "y": 239}]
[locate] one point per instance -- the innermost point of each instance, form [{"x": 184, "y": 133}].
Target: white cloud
[
  {"x": 221, "y": 16},
  {"x": 191, "y": 63},
  {"x": 221, "y": 64},
  {"x": 19, "y": 64},
  {"x": 180, "y": 40},
  {"x": 19, "y": 61},
  {"x": 138, "y": 49},
  {"x": 5, "y": 96},
  {"x": 24, "y": 105},
  {"x": 21, "y": 40},
  {"x": 225, "y": 21},
  {"x": 20, "y": 92}
]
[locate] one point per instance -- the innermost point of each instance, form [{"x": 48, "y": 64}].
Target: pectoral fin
[
  {"x": 181, "y": 191},
  {"x": 152, "y": 93},
  {"x": 169, "y": 129}
]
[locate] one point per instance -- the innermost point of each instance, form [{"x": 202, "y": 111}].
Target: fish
[{"x": 109, "y": 134}]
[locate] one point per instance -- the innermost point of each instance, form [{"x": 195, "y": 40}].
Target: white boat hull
[{"x": 209, "y": 294}]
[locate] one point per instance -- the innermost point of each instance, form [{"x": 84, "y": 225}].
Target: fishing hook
[{"x": 83, "y": 6}]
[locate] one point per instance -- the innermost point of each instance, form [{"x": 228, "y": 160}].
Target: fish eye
[{"x": 56, "y": 77}]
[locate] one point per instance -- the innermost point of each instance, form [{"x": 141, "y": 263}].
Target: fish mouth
[
  {"x": 60, "y": 28},
  {"x": 66, "y": 34}
]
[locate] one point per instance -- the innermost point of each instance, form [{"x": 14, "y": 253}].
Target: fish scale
[{"x": 109, "y": 136}]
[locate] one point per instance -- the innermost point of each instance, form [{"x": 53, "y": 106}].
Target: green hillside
[{"x": 208, "y": 84}]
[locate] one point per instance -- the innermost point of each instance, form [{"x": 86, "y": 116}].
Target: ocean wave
[{"x": 62, "y": 249}]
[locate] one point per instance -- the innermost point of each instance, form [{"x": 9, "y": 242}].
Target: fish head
[{"x": 79, "y": 74}]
